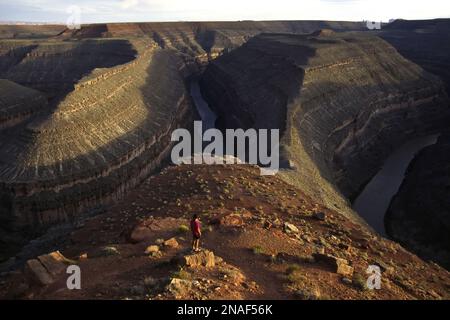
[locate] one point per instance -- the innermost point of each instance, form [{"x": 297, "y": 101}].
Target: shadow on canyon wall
[{"x": 26, "y": 214}]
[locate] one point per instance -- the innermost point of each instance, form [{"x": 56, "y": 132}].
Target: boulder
[
  {"x": 340, "y": 266},
  {"x": 104, "y": 252},
  {"x": 171, "y": 243},
  {"x": 203, "y": 258},
  {"x": 54, "y": 262},
  {"x": 37, "y": 272},
  {"x": 343, "y": 268},
  {"x": 152, "y": 249},
  {"x": 179, "y": 287},
  {"x": 289, "y": 228},
  {"x": 46, "y": 268}
]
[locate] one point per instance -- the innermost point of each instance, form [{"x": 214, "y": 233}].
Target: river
[
  {"x": 206, "y": 114},
  {"x": 374, "y": 200}
]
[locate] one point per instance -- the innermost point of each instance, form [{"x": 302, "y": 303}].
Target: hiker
[{"x": 196, "y": 233}]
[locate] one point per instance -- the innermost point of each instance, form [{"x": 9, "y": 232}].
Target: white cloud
[{"x": 174, "y": 10}]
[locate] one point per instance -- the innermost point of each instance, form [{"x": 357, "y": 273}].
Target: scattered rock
[
  {"x": 179, "y": 287},
  {"x": 289, "y": 228},
  {"x": 45, "y": 269},
  {"x": 204, "y": 258},
  {"x": 152, "y": 249},
  {"x": 83, "y": 256},
  {"x": 54, "y": 262},
  {"x": 106, "y": 252},
  {"x": 171, "y": 243}
]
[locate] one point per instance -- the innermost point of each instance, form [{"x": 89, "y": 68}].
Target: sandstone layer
[
  {"x": 96, "y": 142},
  {"x": 343, "y": 101}
]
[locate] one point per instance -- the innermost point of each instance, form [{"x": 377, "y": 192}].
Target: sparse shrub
[
  {"x": 360, "y": 282},
  {"x": 295, "y": 277},
  {"x": 258, "y": 250},
  {"x": 181, "y": 274},
  {"x": 293, "y": 268},
  {"x": 307, "y": 259},
  {"x": 109, "y": 251},
  {"x": 183, "y": 228}
]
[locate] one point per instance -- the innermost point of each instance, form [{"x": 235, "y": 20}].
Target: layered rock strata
[
  {"x": 18, "y": 103},
  {"x": 343, "y": 101},
  {"x": 419, "y": 215},
  {"x": 100, "y": 140}
]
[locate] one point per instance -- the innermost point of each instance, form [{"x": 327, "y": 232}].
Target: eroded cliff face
[
  {"x": 419, "y": 215},
  {"x": 343, "y": 101},
  {"x": 55, "y": 66},
  {"x": 18, "y": 103},
  {"x": 113, "y": 103},
  {"x": 425, "y": 42},
  {"x": 96, "y": 143}
]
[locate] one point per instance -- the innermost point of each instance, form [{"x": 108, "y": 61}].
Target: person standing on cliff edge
[{"x": 196, "y": 233}]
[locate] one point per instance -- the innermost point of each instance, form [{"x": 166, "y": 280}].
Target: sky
[{"x": 93, "y": 11}]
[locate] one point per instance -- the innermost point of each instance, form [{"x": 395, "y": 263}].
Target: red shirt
[{"x": 195, "y": 227}]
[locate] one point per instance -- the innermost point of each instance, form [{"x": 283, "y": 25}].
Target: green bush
[
  {"x": 181, "y": 274},
  {"x": 183, "y": 228}
]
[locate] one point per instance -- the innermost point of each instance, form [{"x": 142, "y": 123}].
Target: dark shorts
[{"x": 196, "y": 236}]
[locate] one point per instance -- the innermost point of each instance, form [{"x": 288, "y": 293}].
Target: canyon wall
[
  {"x": 97, "y": 142},
  {"x": 343, "y": 101},
  {"x": 425, "y": 42},
  {"x": 418, "y": 216},
  {"x": 54, "y": 66},
  {"x": 115, "y": 93}
]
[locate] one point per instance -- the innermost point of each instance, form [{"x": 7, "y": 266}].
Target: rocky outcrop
[
  {"x": 203, "y": 258},
  {"x": 45, "y": 269},
  {"x": 343, "y": 102},
  {"x": 419, "y": 215}
]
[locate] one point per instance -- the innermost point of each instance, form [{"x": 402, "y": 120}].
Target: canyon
[{"x": 86, "y": 118}]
